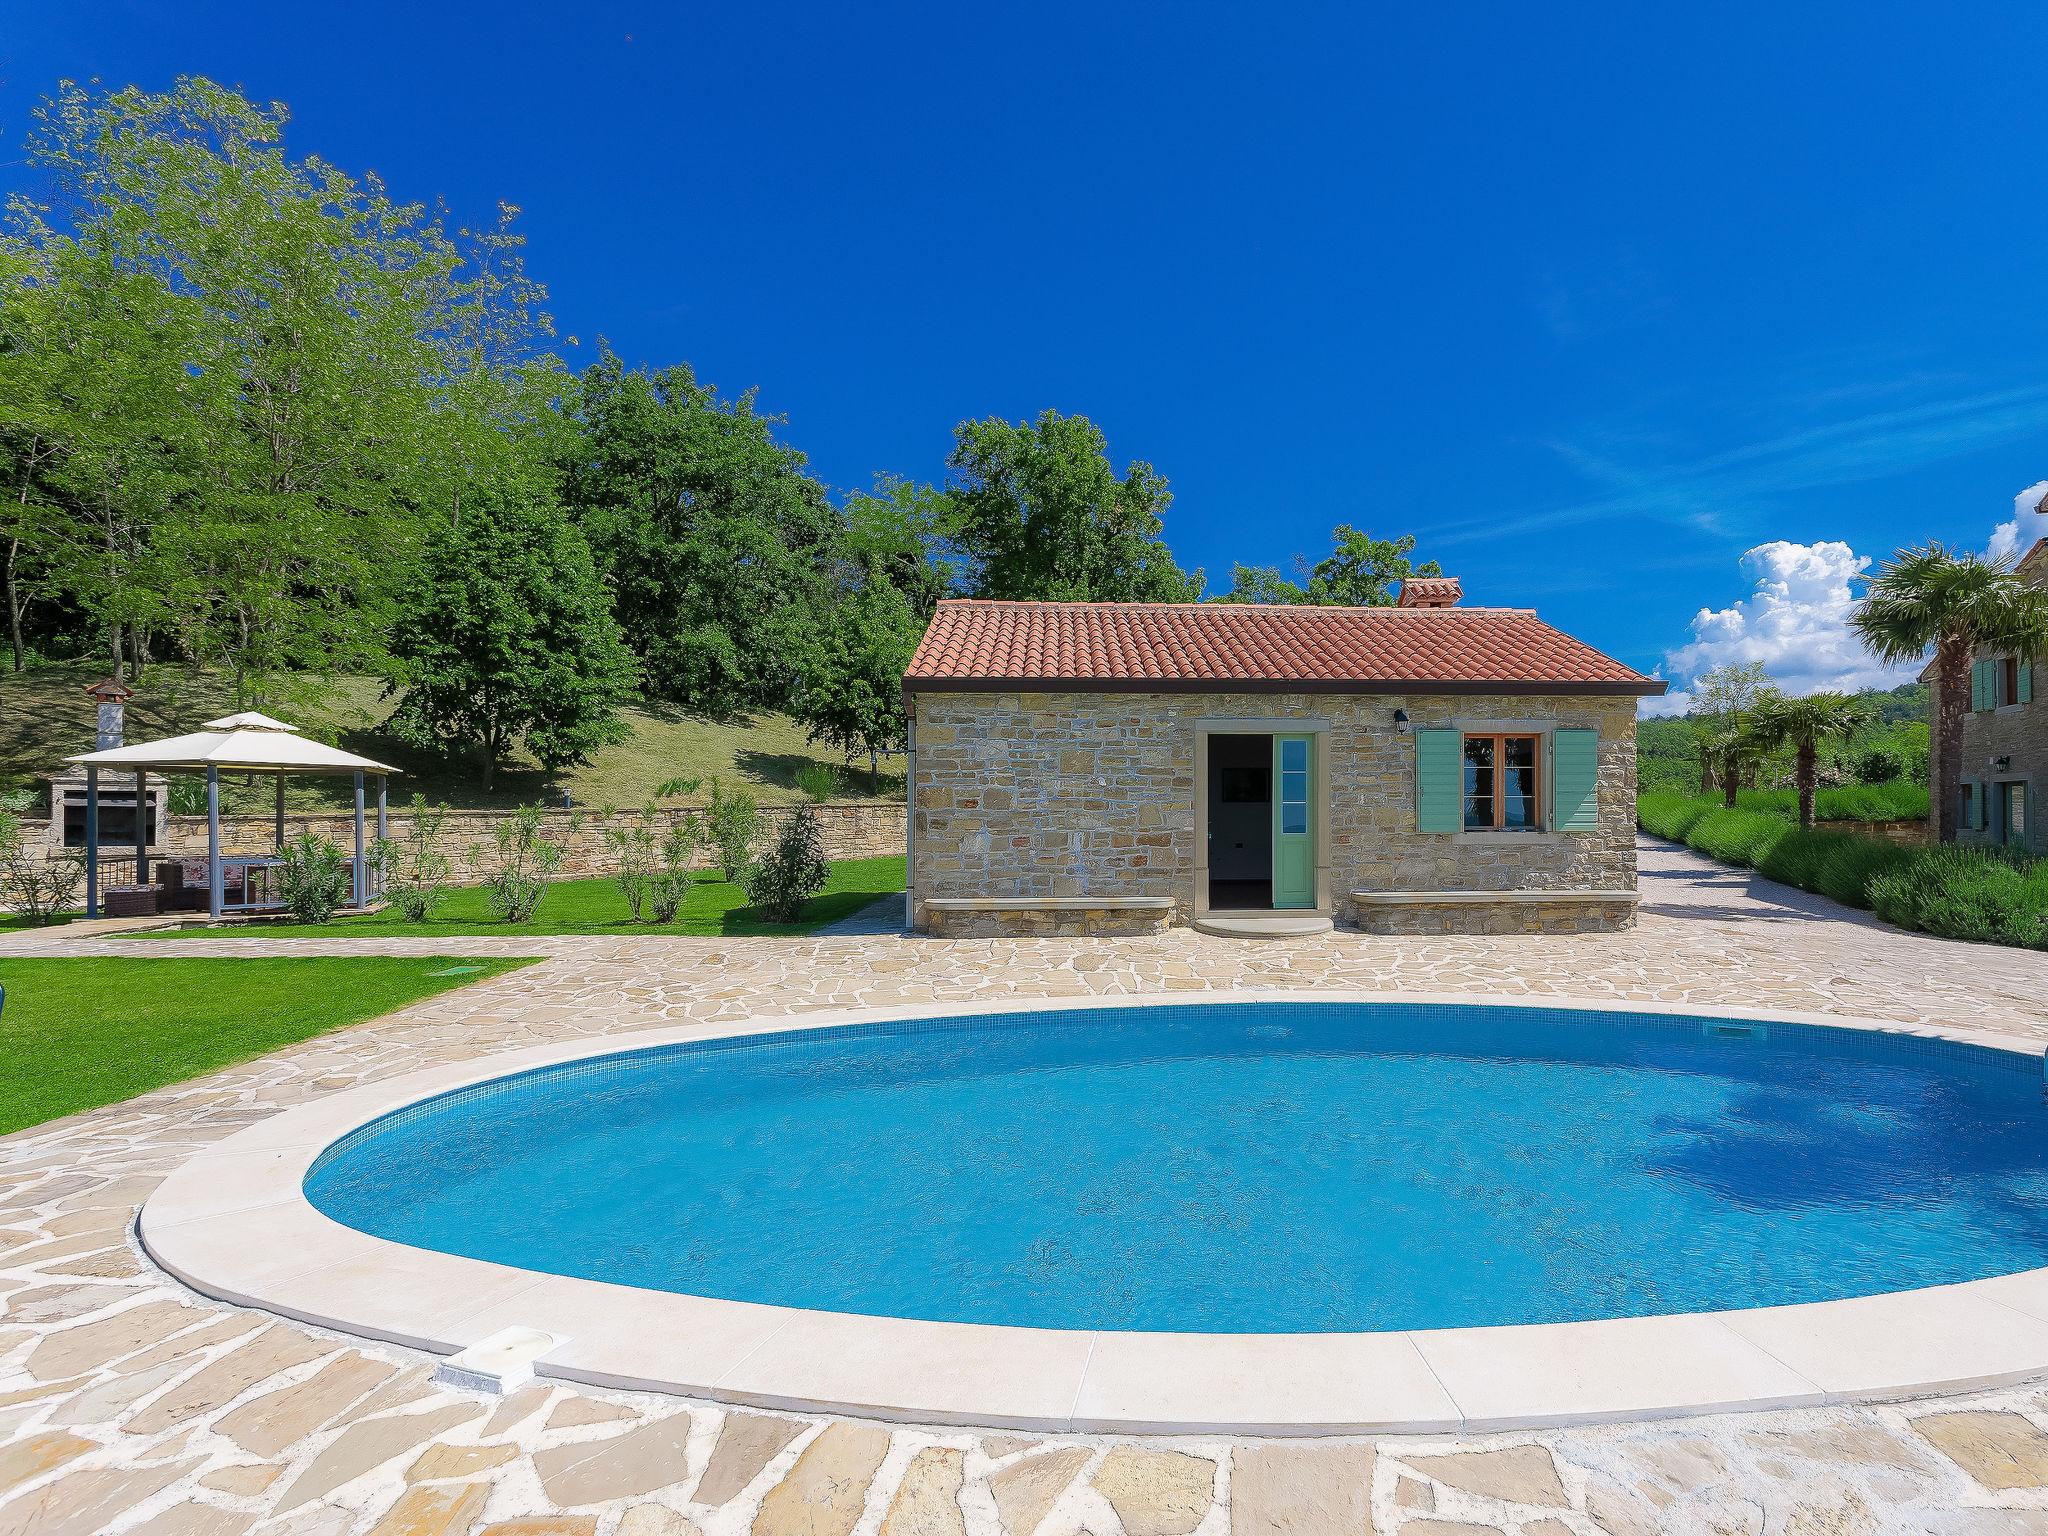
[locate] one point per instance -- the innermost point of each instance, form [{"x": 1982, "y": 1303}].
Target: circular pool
[{"x": 1249, "y": 1167}]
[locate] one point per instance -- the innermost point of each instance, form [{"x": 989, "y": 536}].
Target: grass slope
[
  {"x": 715, "y": 909},
  {"x": 79, "y": 1033},
  {"x": 45, "y": 716}
]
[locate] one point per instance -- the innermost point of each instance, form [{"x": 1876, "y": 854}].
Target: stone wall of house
[
  {"x": 1061, "y": 794},
  {"x": 2015, "y": 732},
  {"x": 854, "y": 829}
]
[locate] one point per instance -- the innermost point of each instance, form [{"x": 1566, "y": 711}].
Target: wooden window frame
[
  {"x": 2007, "y": 688},
  {"x": 1500, "y": 739}
]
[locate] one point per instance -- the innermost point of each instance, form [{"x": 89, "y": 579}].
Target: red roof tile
[{"x": 979, "y": 645}]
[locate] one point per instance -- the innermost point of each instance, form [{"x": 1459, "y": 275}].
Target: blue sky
[{"x": 1593, "y": 301}]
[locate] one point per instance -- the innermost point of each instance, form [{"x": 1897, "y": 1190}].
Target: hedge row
[
  {"x": 1957, "y": 893},
  {"x": 1897, "y": 800}
]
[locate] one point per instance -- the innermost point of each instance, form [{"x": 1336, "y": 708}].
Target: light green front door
[{"x": 1294, "y": 840}]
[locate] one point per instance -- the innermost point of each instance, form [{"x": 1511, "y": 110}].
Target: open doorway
[{"x": 1240, "y": 793}]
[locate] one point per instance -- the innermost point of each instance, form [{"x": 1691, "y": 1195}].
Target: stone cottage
[
  {"x": 2004, "y": 760},
  {"x": 1117, "y": 767}
]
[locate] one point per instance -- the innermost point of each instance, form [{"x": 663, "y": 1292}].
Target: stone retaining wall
[
  {"x": 1041, "y": 922},
  {"x": 854, "y": 829}
]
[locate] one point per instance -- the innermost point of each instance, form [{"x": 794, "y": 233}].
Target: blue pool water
[{"x": 1272, "y": 1167}]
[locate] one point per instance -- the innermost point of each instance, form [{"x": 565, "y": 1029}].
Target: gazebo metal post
[
  {"x": 141, "y": 828},
  {"x": 214, "y": 880},
  {"x": 92, "y": 841},
  {"x": 383, "y": 818},
  {"x": 280, "y": 811},
  {"x": 360, "y": 883}
]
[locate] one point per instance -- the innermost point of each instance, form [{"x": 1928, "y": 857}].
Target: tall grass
[
  {"x": 1898, "y": 800},
  {"x": 1956, "y": 893}
]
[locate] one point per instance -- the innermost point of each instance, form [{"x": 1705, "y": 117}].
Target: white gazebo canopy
[
  {"x": 242, "y": 743},
  {"x": 249, "y": 741}
]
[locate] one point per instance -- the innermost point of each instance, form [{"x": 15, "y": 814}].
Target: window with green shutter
[
  {"x": 2026, "y": 683},
  {"x": 1439, "y": 796},
  {"x": 1575, "y": 780}
]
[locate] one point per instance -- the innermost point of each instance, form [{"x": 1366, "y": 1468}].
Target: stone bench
[
  {"x": 1012, "y": 917},
  {"x": 1425, "y": 912}
]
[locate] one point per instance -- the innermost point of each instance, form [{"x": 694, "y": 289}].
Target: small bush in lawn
[
  {"x": 312, "y": 878},
  {"x": 634, "y": 856},
  {"x": 794, "y": 871},
  {"x": 670, "y": 884},
  {"x": 527, "y": 861},
  {"x": 412, "y": 869},
  {"x": 818, "y": 781},
  {"x": 732, "y": 823}
]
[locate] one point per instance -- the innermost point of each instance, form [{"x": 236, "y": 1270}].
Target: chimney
[
  {"x": 1431, "y": 592},
  {"x": 113, "y": 696}
]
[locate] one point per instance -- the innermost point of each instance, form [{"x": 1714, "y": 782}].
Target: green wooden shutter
[
  {"x": 2026, "y": 683},
  {"x": 1574, "y": 780},
  {"x": 1976, "y": 686},
  {"x": 1439, "y": 781},
  {"x": 1983, "y": 684}
]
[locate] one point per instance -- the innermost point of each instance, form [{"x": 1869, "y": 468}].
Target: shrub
[
  {"x": 1671, "y": 815},
  {"x": 818, "y": 781},
  {"x": 37, "y": 887},
  {"x": 527, "y": 861},
  {"x": 633, "y": 851},
  {"x": 312, "y": 878},
  {"x": 1967, "y": 893},
  {"x": 794, "y": 871},
  {"x": 1880, "y": 765},
  {"x": 732, "y": 823},
  {"x": 1737, "y": 837},
  {"x": 670, "y": 886},
  {"x": 412, "y": 869}
]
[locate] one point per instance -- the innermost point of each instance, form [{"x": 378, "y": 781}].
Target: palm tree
[
  {"x": 1957, "y": 604},
  {"x": 1804, "y": 724}
]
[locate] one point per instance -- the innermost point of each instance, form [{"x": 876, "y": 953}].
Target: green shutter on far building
[
  {"x": 1439, "y": 781},
  {"x": 2026, "y": 682},
  {"x": 1575, "y": 780},
  {"x": 1978, "y": 686}
]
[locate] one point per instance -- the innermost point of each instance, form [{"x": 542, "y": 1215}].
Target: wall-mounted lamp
[
  {"x": 2002, "y": 764},
  {"x": 1401, "y": 719}
]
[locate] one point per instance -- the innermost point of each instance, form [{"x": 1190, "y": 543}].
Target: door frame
[{"x": 1319, "y": 796}]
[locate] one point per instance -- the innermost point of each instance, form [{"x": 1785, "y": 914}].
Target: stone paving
[{"x": 130, "y": 1405}]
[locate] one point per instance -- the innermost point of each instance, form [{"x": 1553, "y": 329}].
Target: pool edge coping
[{"x": 221, "y": 1220}]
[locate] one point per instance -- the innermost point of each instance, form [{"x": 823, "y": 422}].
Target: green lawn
[
  {"x": 715, "y": 908},
  {"x": 79, "y": 1033}
]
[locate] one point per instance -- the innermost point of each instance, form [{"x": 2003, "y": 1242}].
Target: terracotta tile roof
[{"x": 978, "y": 645}]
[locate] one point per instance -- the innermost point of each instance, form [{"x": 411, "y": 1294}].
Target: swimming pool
[{"x": 1245, "y": 1167}]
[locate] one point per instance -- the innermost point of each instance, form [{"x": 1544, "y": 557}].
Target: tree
[
  {"x": 851, "y": 693},
  {"x": 1359, "y": 572},
  {"x": 1805, "y": 724},
  {"x": 1728, "y": 696},
  {"x": 713, "y": 537},
  {"x": 1956, "y": 604},
  {"x": 902, "y": 533},
  {"x": 234, "y": 381},
  {"x": 507, "y": 635},
  {"x": 1040, "y": 514}
]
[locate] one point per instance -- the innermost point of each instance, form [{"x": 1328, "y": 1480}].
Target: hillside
[{"x": 45, "y": 715}]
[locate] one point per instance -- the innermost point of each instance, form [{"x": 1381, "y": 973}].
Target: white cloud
[
  {"x": 2029, "y": 522},
  {"x": 1795, "y": 621}
]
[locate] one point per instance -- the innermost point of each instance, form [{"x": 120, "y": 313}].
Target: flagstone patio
[{"x": 129, "y": 1404}]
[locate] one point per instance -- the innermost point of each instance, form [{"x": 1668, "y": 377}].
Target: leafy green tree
[
  {"x": 904, "y": 534},
  {"x": 794, "y": 871},
  {"x": 714, "y": 538},
  {"x": 246, "y": 377},
  {"x": 851, "y": 692},
  {"x": 1728, "y": 696},
  {"x": 507, "y": 635},
  {"x": 1359, "y": 572},
  {"x": 1806, "y": 724},
  {"x": 1039, "y": 513},
  {"x": 1956, "y": 604}
]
